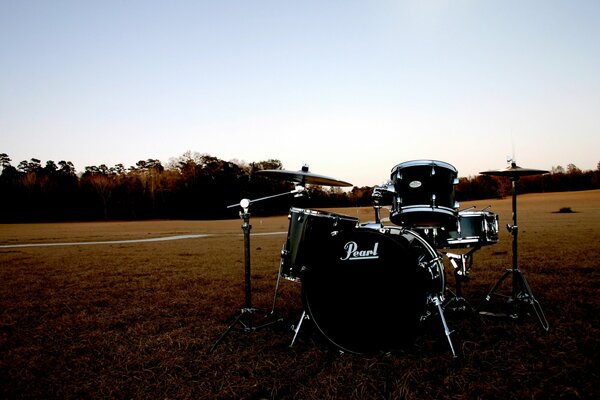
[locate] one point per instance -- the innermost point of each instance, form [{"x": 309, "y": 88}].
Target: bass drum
[{"x": 370, "y": 288}]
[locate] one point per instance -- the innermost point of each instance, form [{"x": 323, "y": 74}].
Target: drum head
[{"x": 367, "y": 293}]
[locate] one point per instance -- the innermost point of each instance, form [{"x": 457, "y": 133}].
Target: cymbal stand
[
  {"x": 521, "y": 293},
  {"x": 244, "y": 318},
  {"x": 462, "y": 264}
]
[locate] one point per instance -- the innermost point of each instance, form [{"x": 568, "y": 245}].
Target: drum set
[{"x": 370, "y": 287}]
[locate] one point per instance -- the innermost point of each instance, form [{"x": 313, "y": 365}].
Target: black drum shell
[
  {"x": 474, "y": 229},
  {"x": 424, "y": 193},
  {"x": 307, "y": 228},
  {"x": 371, "y": 299}
]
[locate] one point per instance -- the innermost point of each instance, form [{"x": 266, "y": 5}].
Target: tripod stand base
[
  {"x": 245, "y": 321},
  {"x": 520, "y": 298}
]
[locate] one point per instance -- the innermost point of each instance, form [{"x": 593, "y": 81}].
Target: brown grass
[{"x": 136, "y": 320}]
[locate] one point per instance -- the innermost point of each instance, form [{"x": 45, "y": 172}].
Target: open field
[{"x": 135, "y": 320}]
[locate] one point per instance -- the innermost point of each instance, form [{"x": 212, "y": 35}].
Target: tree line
[{"x": 201, "y": 186}]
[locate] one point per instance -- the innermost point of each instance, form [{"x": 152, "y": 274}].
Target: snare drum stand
[
  {"x": 521, "y": 292},
  {"x": 457, "y": 303}
]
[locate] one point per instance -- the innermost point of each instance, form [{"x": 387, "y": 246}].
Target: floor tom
[{"x": 306, "y": 231}]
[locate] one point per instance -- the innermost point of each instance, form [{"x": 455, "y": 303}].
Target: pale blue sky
[{"x": 350, "y": 87}]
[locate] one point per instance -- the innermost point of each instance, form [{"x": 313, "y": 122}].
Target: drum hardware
[
  {"x": 435, "y": 236},
  {"x": 377, "y": 195},
  {"x": 521, "y": 293},
  {"x": 284, "y": 261},
  {"x": 438, "y": 301},
  {"x": 296, "y": 328},
  {"x": 462, "y": 264},
  {"x": 246, "y": 315}
]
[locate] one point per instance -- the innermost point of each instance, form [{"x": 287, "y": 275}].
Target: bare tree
[
  {"x": 102, "y": 181},
  {"x": 572, "y": 169}
]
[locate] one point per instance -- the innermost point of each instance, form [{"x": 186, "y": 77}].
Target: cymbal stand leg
[
  {"x": 237, "y": 320},
  {"x": 526, "y": 296}
]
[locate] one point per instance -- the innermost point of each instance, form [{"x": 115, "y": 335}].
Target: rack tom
[{"x": 424, "y": 194}]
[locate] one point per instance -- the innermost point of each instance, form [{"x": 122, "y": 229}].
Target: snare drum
[
  {"x": 424, "y": 193},
  {"x": 306, "y": 232},
  {"x": 474, "y": 228}
]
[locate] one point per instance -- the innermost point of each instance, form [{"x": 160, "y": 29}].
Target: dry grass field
[{"x": 136, "y": 319}]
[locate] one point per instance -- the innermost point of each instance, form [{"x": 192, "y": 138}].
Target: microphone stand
[{"x": 245, "y": 316}]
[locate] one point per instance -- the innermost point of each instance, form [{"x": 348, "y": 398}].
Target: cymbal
[
  {"x": 514, "y": 171},
  {"x": 303, "y": 176}
]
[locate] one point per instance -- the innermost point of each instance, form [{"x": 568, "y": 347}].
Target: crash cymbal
[
  {"x": 302, "y": 177},
  {"x": 514, "y": 171}
]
